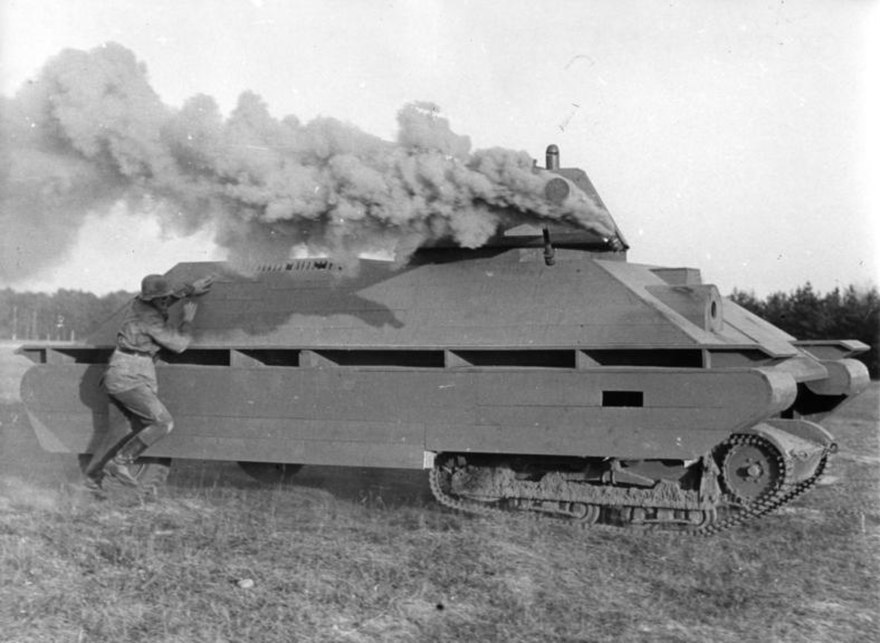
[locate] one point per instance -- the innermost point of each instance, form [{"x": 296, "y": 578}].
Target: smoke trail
[{"x": 90, "y": 131}]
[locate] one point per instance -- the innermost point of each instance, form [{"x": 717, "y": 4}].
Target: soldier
[{"x": 130, "y": 378}]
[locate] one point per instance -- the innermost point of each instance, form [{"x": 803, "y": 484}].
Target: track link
[{"x": 782, "y": 492}]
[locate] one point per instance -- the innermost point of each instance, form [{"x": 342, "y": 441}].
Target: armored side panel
[{"x": 492, "y": 352}]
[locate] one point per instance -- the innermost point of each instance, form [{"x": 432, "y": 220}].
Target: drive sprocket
[{"x": 752, "y": 468}]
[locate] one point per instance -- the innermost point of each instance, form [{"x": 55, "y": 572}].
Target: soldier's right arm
[
  {"x": 174, "y": 339},
  {"x": 171, "y": 338}
]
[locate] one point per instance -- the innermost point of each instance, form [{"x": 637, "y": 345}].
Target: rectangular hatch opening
[{"x": 623, "y": 398}]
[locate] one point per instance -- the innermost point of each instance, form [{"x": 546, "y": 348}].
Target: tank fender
[
  {"x": 806, "y": 430},
  {"x": 845, "y": 377},
  {"x": 803, "y": 444}
]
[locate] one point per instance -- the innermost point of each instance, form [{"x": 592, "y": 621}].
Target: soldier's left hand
[{"x": 189, "y": 310}]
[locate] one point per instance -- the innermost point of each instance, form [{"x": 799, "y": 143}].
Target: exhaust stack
[{"x": 552, "y": 157}]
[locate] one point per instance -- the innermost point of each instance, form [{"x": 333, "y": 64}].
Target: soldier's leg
[
  {"x": 121, "y": 425},
  {"x": 144, "y": 404}
]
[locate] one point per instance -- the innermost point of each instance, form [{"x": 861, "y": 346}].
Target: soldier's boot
[
  {"x": 94, "y": 484},
  {"x": 117, "y": 466}
]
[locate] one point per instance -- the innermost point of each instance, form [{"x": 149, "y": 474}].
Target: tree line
[
  {"x": 851, "y": 313},
  {"x": 840, "y": 314},
  {"x": 66, "y": 315}
]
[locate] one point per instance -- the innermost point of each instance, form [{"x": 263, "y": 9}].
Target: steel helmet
[{"x": 155, "y": 286}]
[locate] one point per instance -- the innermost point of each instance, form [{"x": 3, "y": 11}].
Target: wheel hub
[{"x": 751, "y": 469}]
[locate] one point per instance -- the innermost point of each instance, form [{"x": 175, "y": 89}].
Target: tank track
[
  {"x": 701, "y": 517},
  {"x": 785, "y": 493}
]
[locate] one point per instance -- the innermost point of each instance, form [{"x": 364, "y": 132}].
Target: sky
[{"x": 740, "y": 138}]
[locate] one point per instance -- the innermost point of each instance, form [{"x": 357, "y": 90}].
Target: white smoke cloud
[{"x": 90, "y": 131}]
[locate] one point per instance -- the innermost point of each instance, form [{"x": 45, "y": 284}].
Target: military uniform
[{"x": 131, "y": 380}]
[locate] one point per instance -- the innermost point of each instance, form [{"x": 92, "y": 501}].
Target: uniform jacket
[{"x": 145, "y": 330}]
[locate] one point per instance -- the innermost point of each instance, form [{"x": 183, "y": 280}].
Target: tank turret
[{"x": 542, "y": 373}]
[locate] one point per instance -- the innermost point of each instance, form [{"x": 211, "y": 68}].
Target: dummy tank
[{"x": 540, "y": 373}]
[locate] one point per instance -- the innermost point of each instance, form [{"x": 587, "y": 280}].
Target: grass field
[{"x": 366, "y": 555}]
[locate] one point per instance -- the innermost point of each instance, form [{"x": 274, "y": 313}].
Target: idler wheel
[{"x": 751, "y": 468}]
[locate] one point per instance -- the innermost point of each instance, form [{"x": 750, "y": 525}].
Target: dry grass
[{"x": 366, "y": 556}]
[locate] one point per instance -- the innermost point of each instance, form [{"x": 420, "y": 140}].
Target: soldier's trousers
[{"x": 143, "y": 416}]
